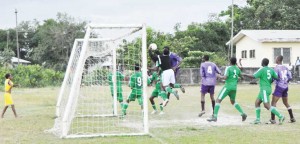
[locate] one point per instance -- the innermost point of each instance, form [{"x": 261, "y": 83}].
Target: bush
[{"x": 33, "y": 76}]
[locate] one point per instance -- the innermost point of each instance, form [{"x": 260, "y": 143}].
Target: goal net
[{"x": 98, "y": 82}]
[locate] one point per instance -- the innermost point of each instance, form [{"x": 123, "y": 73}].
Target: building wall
[
  {"x": 264, "y": 50},
  {"x": 248, "y": 44},
  {"x": 294, "y": 50}
]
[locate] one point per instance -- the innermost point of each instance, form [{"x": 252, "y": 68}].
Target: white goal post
[{"x": 89, "y": 102}]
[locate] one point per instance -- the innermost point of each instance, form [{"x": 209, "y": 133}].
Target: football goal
[{"x": 97, "y": 83}]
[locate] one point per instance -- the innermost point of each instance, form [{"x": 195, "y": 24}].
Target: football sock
[
  {"x": 290, "y": 112},
  {"x": 203, "y": 105},
  {"x": 272, "y": 116},
  {"x": 213, "y": 105},
  {"x": 177, "y": 85},
  {"x": 125, "y": 106},
  {"x": 238, "y": 107},
  {"x": 169, "y": 90},
  {"x": 154, "y": 107},
  {"x": 161, "y": 107},
  {"x": 274, "y": 111},
  {"x": 257, "y": 111},
  {"x": 217, "y": 107},
  {"x": 163, "y": 95}
]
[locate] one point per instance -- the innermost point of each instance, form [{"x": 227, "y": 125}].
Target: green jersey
[
  {"x": 136, "y": 82},
  {"x": 120, "y": 78},
  {"x": 232, "y": 73},
  {"x": 266, "y": 76},
  {"x": 156, "y": 79}
]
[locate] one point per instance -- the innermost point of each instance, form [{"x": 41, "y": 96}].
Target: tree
[
  {"x": 265, "y": 14},
  {"x": 55, "y": 40}
]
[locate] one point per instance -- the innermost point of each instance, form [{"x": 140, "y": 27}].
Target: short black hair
[
  {"x": 233, "y": 60},
  {"x": 280, "y": 58},
  {"x": 137, "y": 67},
  {"x": 7, "y": 75},
  {"x": 167, "y": 47},
  {"x": 265, "y": 62},
  {"x": 206, "y": 57}
]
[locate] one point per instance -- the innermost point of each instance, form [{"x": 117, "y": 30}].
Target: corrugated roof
[{"x": 268, "y": 36}]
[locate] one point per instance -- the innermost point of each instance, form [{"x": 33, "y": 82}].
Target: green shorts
[
  {"x": 264, "y": 95},
  {"x": 136, "y": 95},
  {"x": 155, "y": 93},
  {"x": 227, "y": 91}
]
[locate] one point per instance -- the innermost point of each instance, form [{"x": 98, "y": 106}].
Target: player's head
[
  {"x": 205, "y": 58},
  {"x": 279, "y": 59},
  {"x": 136, "y": 67},
  {"x": 265, "y": 62},
  {"x": 233, "y": 61},
  {"x": 166, "y": 50},
  {"x": 8, "y": 76}
]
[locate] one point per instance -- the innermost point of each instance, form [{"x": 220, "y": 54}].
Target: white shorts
[{"x": 168, "y": 77}]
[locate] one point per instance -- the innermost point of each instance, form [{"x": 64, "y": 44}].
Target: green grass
[{"x": 179, "y": 125}]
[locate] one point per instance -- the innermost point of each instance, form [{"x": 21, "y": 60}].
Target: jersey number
[
  {"x": 234, "y": 71},
  {"x": 139, "y": 81},
  {"x": 209, "y": 70},
  {"x": 284, "y": 74},
  {"x": 269, "y": 74}
]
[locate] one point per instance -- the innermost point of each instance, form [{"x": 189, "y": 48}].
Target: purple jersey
[
  {"x": 284, "y": 75},
  {"x": 208, "y": 71},
  {"x": 175, "y": 59}
]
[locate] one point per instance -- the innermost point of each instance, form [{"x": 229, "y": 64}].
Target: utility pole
[
  {"x": 7, "y": 39},
  {"x": 18, "y": 51},
  {"x": 231, "y": 42}
]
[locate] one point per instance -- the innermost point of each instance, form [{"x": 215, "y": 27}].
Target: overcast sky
[{"x": 162, "y": 15}]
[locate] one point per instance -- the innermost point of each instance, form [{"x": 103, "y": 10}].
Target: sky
[{"x": 162, "y": 15}]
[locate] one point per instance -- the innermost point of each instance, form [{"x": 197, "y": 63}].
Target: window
[
  {"x": 244, "y": 54},
  {"x": 285, "y": 52},
  {"x": 252, "y": 53}
]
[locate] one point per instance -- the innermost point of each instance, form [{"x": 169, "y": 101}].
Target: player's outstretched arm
[{"x": 247, "y": 75}]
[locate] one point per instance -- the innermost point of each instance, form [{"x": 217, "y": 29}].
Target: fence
[{"x": 191, "y": 76}]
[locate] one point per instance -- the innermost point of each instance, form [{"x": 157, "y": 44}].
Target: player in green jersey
[
  {"x": 120, "y": 78},
  {"x": 232, "y": 73},
  {"x": 156, "y": 92},
  {"x": 266, "y": 76},
  {"x": 136, "y": 85}
]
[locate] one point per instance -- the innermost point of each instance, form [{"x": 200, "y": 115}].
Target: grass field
[{"x": 179, "y": 125}]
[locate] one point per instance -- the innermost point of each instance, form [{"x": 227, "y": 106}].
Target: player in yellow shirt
[{"x": 7, "y": 95}]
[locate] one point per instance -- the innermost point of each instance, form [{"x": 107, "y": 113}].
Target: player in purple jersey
[
  {"x": 208, "y": 71},
  {"x": 281, "y": 89}
]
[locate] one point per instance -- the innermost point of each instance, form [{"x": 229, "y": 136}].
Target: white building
[{"x": 254, "y": 45}]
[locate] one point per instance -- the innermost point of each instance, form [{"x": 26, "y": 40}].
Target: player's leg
[
  {"x": 139, "y": 97},
  {"x": 287, "y": 105},
  {"x": 3, "y": 112},
  {"x": 14, "y": 110},
  {"x": 131, "y": 97},
  {"x": 177, "y": 85},
  {"x": 161, "y": 109},
  {"x": 204, "y": 90},
  {"x": 265, "y": 99},
  {"x": 274, "y": 101},
  {"x": 212, "y": 97},
  {"x": 153, "y": 95},
  {"x": 232, "y": 95},
  {"x": 221, "y": 96},
  {"x": 164, "y": 83},
  {"x": 257, "y": 110},
  {"x": 172, "y": 82}
]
